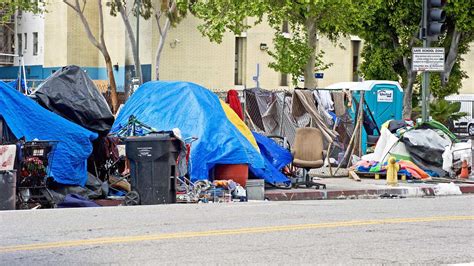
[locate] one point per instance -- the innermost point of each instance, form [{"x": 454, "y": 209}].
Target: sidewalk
[{"x": 345, "y": 188}]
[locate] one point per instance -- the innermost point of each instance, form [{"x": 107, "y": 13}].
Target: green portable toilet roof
[{"x": 363, "y": 85}]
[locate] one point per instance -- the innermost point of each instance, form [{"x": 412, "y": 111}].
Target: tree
[
  {"x": 9, "y": 7},
  {"x": 167, "y": 14},
  {"x": 98, "y": 43},
  {"x": 173, "y": 11},
  {"x": 143, "y": 8},
  {"x": 460, "y": 32},
  {"x": 391, "y": 30},
  {"x": 294, "y": 53}
]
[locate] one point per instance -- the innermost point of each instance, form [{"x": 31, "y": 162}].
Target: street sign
[
  {"x": 319, "y": 75},
  {"x": 428, "y": 59}
]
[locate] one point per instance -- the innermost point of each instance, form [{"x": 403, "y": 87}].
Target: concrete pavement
[
  {"x": 412, "y": 230},
  {"x": 345, "y": 188}
]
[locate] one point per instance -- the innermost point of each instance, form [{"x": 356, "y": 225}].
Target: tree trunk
[
  {"x": 451, "y": 57},
  {"x": 113, "y": 86},
  {"x": 99, "y": 44},
  {"x": 161, "y": 45},
  {"x": 133, "y": 44},
  {"x": 163, "y": 32},
  {"x": 408, "y": 95},
  {"x": 309, "y": 79}
]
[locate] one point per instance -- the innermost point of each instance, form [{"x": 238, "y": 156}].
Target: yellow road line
[{"x": 238, "y": 231}]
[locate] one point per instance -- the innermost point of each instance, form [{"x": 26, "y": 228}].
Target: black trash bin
[
  {"x": 152, "y": 169},
  {"x": 7, "y": 190}
]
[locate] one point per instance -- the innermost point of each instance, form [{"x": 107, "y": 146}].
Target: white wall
[{"x": 29, "y": 23}]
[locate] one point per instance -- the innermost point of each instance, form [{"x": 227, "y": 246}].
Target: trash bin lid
[{"x": 147, "y": 138}]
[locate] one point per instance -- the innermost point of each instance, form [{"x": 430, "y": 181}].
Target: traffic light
[{"x": 436, "y": 17}]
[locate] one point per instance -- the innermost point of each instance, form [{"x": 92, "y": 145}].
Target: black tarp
[
  {"x": 426, "y": 149},
  {"x": 70, "y": 93}
]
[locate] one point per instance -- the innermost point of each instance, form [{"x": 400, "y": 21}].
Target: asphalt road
[{"x": 418, "y": 230}]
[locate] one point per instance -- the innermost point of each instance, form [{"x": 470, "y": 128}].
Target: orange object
[
  {"x": 464, "y": 171},
  {"x": 237, "y": 172}
]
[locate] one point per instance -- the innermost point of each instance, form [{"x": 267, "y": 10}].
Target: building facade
[{"x": 57, "y": 38}]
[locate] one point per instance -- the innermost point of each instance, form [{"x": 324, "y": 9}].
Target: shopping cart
[{"x": 35, "y": 168}]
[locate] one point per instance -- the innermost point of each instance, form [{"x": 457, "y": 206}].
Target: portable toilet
[{"x": 384, "y": 101}]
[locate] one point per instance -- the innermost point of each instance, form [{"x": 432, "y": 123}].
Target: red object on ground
[
  {"x": 464, "y": 171},
  {"x": 237, "y": 172},
  {"x": 234, "y": 103}
]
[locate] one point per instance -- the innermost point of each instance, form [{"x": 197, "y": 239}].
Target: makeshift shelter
[
  {"x": 197, "y": 112},
  {"x": 26, "y": 118},
  {"x": 70, "y": 93},
  {"x": 384, "y": 102},
  {"x": 276, "y": 157}
]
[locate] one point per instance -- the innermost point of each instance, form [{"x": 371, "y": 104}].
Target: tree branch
[
  {"x": 101, "y": 24},
  {"x": 84, "y": 3},
  {"x": 71, "y": 6},
  {"x": 158, "y": 17},
  {"x": 91, "y": 37},
  {"x": 451, "y": 56}
]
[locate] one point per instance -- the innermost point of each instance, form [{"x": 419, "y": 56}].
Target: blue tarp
[
  {"x": 197, "y": 112},
  {"x": 276, "y": 157},
  {"x": 28, "y": 119}
]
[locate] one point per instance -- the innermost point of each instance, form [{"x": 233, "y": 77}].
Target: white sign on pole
[
  {"x": 385, "y": 96},
  {"x": 428, "y": 59}
]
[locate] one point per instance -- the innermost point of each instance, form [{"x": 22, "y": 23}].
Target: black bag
[{"x": 71, "y": 94}]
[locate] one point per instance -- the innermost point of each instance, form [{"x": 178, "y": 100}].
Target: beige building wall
[
  {"x": 260, "y": 34},
  {"x": 115, "y": 39},
  {"x": 468, "y": 66},
  {"x": 190, "y": 57},
  {"x": 80, "y": 51},
  {"x": 55, "y": 34},
  {"x": 341, "y": 59}
]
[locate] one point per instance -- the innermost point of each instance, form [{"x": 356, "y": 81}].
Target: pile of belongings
[
  {"x": 66, "y": 108},
  {"x": 425, "y": 150},
  {"x": 222, "y": 136}
]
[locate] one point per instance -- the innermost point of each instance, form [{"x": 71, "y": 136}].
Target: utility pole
[
  {"x": 432, "y": 26},
  {"x": 137, "y": 14},
  {"x": 425, "y": 83}
]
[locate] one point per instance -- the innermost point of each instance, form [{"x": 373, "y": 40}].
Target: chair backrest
[{"x": 308, "y": 144}]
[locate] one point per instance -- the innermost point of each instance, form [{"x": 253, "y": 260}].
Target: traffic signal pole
[{"x": 425, "y": 83}]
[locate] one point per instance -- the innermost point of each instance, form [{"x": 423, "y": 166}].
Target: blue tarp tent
[
  {"x": 28, "y": 119},
  {"x": 276, "y": 157},
  {"x": 197, "y": 112}
]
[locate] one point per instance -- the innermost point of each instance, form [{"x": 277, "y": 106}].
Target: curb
[{"x": 409, "y": 192}]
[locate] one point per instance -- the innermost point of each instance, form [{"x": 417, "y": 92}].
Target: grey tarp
[
  {"x": 303, "y": 102},
  {"x": 426, "y": 149}
]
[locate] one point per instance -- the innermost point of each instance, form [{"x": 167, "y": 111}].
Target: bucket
[
  {"x": 7, "y": 190},
  {"x": 256, "y": 189},
  {"x": 237, "y": 172}
]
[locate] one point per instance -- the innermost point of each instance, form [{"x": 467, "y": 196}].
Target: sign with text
[
  {"x": 385, "y": 96},
  {"x": 428, "y": 59}
]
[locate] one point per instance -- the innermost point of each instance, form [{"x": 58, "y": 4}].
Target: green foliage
[
  {"x": 291, "y": 55},
  {"x": 379, "y": 63},
  {"x": 9, "y": 7},
  {"x": 147, "y": 8},
  {"x": 292, "y": 52},
  {"x": 452, "y": 87},
  {"x": 444, "y": 111},
  {"x": 390, "y": 29}
]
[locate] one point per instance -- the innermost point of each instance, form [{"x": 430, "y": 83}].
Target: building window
[
  {"x": 239, "y": 60},
  {"x": 284, "y": 79},
  {"x": 35, "y": 43},
  {"x": 285, "y": 27},
  {"x": 26, "y": 42},
  {"x": 355, "y": 60},
  {"x": 20, "y": 44}
]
